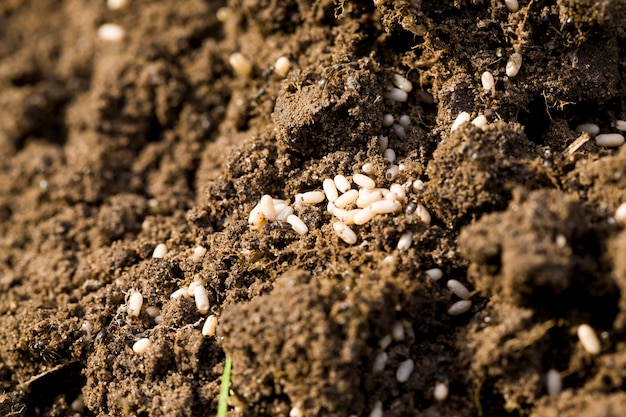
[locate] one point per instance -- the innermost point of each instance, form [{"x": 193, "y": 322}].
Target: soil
[{"x": 111, "y": 148}]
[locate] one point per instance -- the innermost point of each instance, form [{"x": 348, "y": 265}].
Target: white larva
[
  {"x": 313, "y": 197},
  {"x": 383, "y": 143},
  {"x": 395, "y": 94},
  {"x": 401, "y": 82},
  {"x": 192, "y": 287},
  {"x": 514, "y": 64},
  {"x": 480, "y": 121},
  {"x": 620, "y": 125},
  {"x": 116, "y": 4},
  {"x": 368, "y": 168},
  {"x": 110, "y": 32},
  {"x": 458, "y": 289},
  {"x": 377, "y": 411},
  {"x": 397, "y": 331},
  {"x": 141, "y": 346},
  {"x": 198, "y": 253},
  {"x": 418, "y": 186},
  {"x": 347, "y": 198},
  {"x": 241, "y": 65},
  {"x": 434, "y": 273},
  {"x": 399, "y": 130},
  {"x": 210, "y": 326},
  {"x": 591, "y": 128},
  {"x": 181, "y": 292},
  {"x": 330, "y": 190},
  {"x": 296, "y": 411},
  {"x": 460, "y": 307},
  {"x": 153, "y": 311},
  {"x": 589, "y": 339},
  {"x": 345, "y": 233},
  {"x": 285, "y": 212},
  {"x": 554, "y": 384},
  {"x": 159, "y": 251},
  {"x": 620, "y": 214},
  {"x": 201, "y": 296},
  {"x": 398, "y": 190},
  {"x": 422, "y": 213},
  {"x": 365, "y": 199},
  {"x": 363, "y": 181},
  {"x": 390, "y": 155},
  {"x": 385, "y": 342},
  {"x": 512, "y": 5},
  {"x": 364, "y": 216},
  {"x": 342, "y": 183},
  {"x": 267, "y": 208},
  {"x": 282, "y": 66},
  {"x": 488, "y": 81},
  {"x": 463, "y": 117},
  {"x": 388, "y": 120},
  {"x": 379, "y": 362},
  {"x": 441, "y": 391},
  {"x": 405, "y": 241},
  {"x": 385, "y": 207},
  {"x": 256, "y": 218},
  {"x": 610, "y": 140},
  {"x": 135, "y": 301},
  {"x": 392, "y": 172},
  {"x": 404, "y": 370},
  {"x": 297, "y": 225},
  {"x": 404, "y": 120}
]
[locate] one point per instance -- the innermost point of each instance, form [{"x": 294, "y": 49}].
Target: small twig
[{"x": 580, "y": 141}]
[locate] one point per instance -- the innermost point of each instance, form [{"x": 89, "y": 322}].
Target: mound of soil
[{"x": 112, "y": 148}]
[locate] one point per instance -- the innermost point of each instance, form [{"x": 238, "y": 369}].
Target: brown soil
[{"x": 109, "y": 149}]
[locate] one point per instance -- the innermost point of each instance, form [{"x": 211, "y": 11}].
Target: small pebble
[
  {"x": 610, "y": 140},
  {"x": 296, "y": 411},
  {"x": 589, "y": 339},
  {"x": 460, "y": 307},
  {"x": 141, "y": 346},
  {"x": 404, "y": 370}
]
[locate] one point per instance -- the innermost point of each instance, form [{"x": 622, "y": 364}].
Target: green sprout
[{"x": 222, "y": 404}]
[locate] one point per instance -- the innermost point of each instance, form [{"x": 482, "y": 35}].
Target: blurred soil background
[{"x": 109, "y": 148}]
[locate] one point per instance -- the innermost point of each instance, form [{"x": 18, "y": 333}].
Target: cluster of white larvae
[{"x": 135, "y": 301}]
